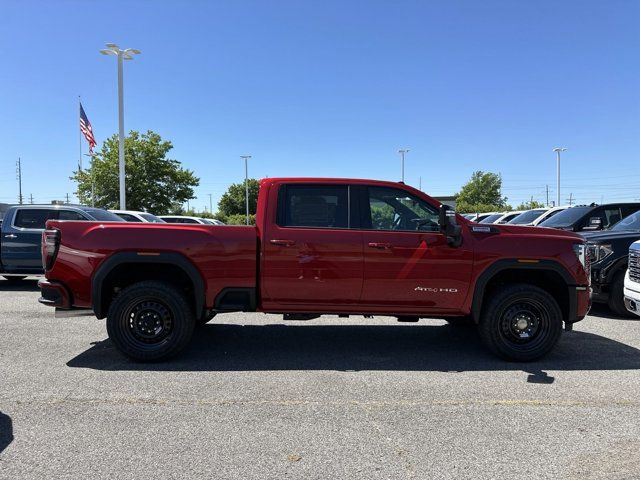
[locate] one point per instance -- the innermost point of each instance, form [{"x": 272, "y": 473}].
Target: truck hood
[
  {"x": 526, "y": 230},
  {"x": 608, "y": 236}
]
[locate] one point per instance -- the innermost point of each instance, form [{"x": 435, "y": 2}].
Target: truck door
[
  {"x": 21, "y": 237},
  {"x": 311, "y": 256},
  {"x": 408, "y": 265}
]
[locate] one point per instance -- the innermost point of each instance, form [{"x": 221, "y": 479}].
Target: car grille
[{"x": 634, "y": 265}]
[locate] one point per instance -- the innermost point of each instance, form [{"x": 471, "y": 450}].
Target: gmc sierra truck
[{"x": 320, "y": 246}]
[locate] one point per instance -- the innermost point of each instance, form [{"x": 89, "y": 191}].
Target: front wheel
[
  {"x": 150, "y": 321},
  {"x": 521, "y": 323},
  {"x": 616, "y": 297}
]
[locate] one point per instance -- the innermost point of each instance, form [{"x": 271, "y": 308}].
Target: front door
[
  {"x": 310, "y": 254},
  {"x": 408, "y": 264}
]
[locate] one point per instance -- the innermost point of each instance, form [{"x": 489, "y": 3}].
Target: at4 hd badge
[{"x": 435, "y": 290}]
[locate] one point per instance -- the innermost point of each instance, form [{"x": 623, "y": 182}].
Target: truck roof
[{"x": 352, "y": 181}]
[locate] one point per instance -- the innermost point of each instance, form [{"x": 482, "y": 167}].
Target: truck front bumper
[
  {"x": 54, "y": 294},
  {"x": 631, "y": 295}
]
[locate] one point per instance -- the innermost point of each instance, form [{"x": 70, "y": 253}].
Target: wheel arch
[
  {"x": 549, "y": 275},
  {"x": 169, "y": 266}
]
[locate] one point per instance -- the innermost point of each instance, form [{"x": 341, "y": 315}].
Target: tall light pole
[
  {"x": 402, "y": 151},
  {"x": 93, "y": 185},
  {"x": 246, "y": 183},
  {"x": 127, "y": 54},
  {"x": 558, "y": 150}
]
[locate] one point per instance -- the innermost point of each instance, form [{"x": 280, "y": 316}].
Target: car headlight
[
  {"x": 580, "y": 249},
  {"x": 598, "y": 253}
]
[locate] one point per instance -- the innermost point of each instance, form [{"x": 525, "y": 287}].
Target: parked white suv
[{"x": 632, "y": 280}]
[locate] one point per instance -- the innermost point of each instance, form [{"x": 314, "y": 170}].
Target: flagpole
[{"x": 79, "y": 134}]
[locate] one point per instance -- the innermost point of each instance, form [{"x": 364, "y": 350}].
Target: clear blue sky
[{"x": 333, "y": 88}]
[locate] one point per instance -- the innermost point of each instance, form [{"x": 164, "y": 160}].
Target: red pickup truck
[{"x": 321, "y": 246}]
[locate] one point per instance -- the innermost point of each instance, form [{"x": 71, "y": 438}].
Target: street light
[
  {"x": 246, "y": 183},
  {"x": 402, "y": 152},
  {"x": 127, "y": 54},
  {"x": 558, "y": 150}
]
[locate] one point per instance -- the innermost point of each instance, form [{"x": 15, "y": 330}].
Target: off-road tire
[
  {"x": 514, "y": 305},
  {"x": 616, "y": 296},
  {"x": 150, "y": 321}
]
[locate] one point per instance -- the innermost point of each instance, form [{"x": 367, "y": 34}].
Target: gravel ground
[{"x": 257, "y": 397}]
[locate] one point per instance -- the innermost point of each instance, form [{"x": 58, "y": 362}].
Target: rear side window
[
  {"x": 318, "y": 206},
  {"x": 128, "y": 218},
  {"x": 34, "y": 217},
  {"x": 70, "y": 215}
]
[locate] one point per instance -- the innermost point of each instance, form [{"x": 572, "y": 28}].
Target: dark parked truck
[
  {"x": 608, "y": 251},
  {"x": 321, "y": 246},
  {"x": 21, "y": 235}
]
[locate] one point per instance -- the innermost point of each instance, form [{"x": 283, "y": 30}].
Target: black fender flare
[
  {"x": 514, "y": 264},
  {"x": 170, "y": 258}
]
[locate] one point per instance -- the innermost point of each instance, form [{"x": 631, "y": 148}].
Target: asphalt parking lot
[{"x": 257, "y": 397}]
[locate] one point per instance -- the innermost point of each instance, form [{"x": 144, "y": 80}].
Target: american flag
[{"x": 87, "y": 131}]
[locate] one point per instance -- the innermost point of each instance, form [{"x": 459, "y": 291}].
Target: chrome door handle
[
  {"x": 11, "y": 235},
  {"x": 379, "y": 245}
]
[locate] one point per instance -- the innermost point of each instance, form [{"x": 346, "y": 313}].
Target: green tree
[
  {"x": 153, "y": 182},
  {"x": 482, "y": 193},
  {"x": 233, "y": 200},
  {"x": 530, "y": 205}
]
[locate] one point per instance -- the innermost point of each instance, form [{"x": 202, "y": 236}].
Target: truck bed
[{"x": 226, "y": 256}]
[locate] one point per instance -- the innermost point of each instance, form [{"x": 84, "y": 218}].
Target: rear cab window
[{"x": 314, "y": 206}]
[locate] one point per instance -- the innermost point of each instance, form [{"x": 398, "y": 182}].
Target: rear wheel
[
  {"x": 150, "y": 321},
  {"x": 521, "y": 322},
  {"x": 616, "y": 296},
  {"x": 15, "y": 279}
]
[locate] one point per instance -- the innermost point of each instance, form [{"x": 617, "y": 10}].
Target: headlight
[
  {"x": 598, "y": 253},
  {"x": 580, "y": 249}
]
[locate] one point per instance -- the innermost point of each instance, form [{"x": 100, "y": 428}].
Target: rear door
[
  {"x": 408, "y": 265},
  {"x": 311, "y": 253}
]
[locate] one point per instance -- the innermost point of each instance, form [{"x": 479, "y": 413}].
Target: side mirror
[
  {"x": 449, "y": 226},
  {"x": 595, "y": 223}
]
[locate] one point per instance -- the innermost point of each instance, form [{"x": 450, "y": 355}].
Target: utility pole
[
  {"x": 558, "y": 150},
  {"x": 67, "y": 198},
  {"x": 210, "y": 204},
  {"x": 31, "y": 198},
  {"x": 19, "y": 177},
  {"x": 547, "y": 195},
  {"x": 402, "y": 151},
  {"x": 246, "y": 183},
  {"x": 420, "y": 184},
  {"x": 570, "y": 199}
]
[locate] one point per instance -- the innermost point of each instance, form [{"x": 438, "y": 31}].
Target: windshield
[
  {"x": 491, "y": 218},
  {"x": 151, "y": 218},
  {"x": 566, "y": 217},
  {"x": 527, "y": 217},
  {"x": 102, "y": 215},
  {"x": 632, "y": 222}
]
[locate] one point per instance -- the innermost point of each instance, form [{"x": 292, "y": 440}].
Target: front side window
[
  {"x": 395, "y": 209},
  {"x": 128, "y": 218},
  {"x": 318, "y": 206}
]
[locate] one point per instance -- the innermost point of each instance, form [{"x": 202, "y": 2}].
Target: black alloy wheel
[
  {"x": 150, "y": 321},
  {"x": 521, "y": 322}
]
